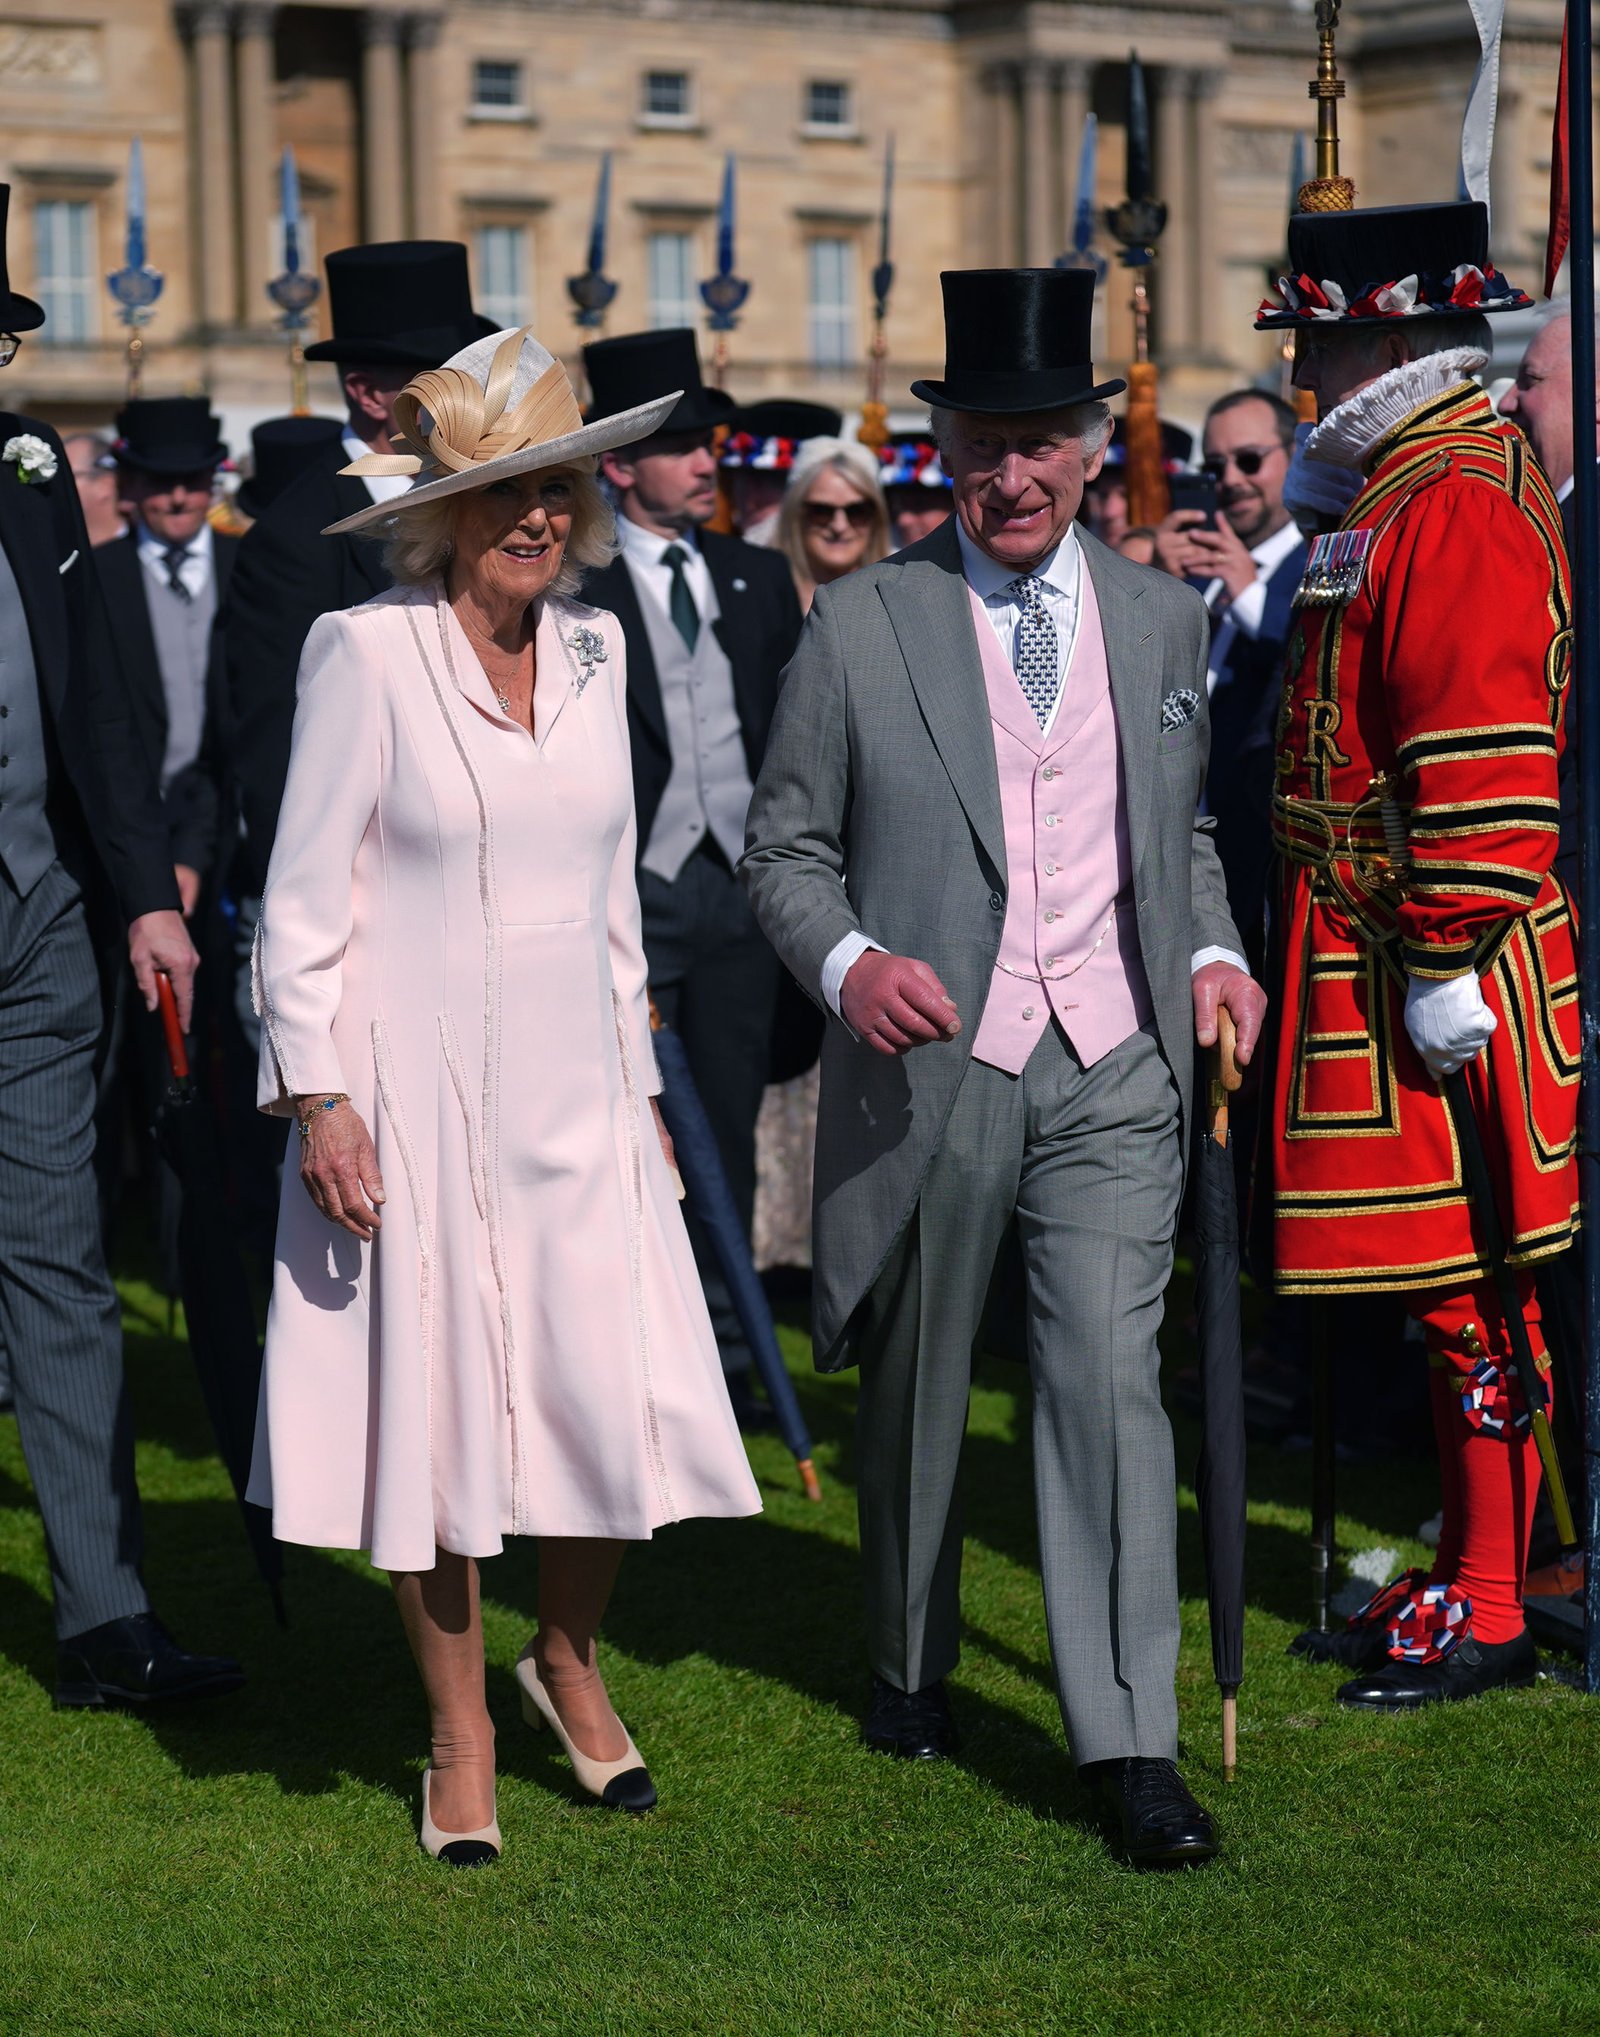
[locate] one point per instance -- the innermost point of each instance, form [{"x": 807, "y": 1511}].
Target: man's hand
[
  {"x": 895, "y": 1003},
  {"x": 188, "y": 881},
  {"x": 1221, "y": 554},
  {"x": 158, "y": 942},
  {"x": 1449, "y": 1021},
  {"x": 1223, "y": 983}
]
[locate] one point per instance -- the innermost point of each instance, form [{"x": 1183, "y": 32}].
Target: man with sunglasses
[{"x": 1246, "y": 564}]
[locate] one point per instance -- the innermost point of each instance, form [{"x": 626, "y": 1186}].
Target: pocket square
[
  {"x": 1179, "y": 708},
  {"x": 70, "y": 560}
]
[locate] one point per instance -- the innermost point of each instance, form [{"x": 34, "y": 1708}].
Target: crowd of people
[{"x": 938, "y": 811}]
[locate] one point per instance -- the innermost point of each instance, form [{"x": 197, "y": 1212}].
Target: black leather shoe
[
  {"x": 136, "y": 1662},
  {"x": 1350, "y": 1647},
  {"x": 1466, "y": 1672},
  {"x": 915, "y": 1724},
  {"x": 1162, "y": 1825}
]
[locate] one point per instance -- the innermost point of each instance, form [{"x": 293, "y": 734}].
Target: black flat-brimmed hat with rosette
[
  {"x": 1388, "y": 262},
  {"x": 1015, "y": 341}
]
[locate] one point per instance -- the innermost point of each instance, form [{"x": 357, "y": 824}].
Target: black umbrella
[
  {"x": 1219, "y": 1476},
  {"x": 706, "y": 1188},
  {"x": 212, "y": 1282}
]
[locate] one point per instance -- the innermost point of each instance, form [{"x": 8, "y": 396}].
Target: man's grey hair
[
  {"x": 1431, "y": 333},
  {"x": 1089, "y": 422},
  {"x": 1561, "y": 313}
]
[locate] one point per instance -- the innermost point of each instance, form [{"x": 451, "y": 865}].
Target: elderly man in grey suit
[{"x": 974, "y": 840}]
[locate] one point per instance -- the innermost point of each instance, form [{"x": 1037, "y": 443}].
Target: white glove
[
  {"x": 1448, "y": 1021},
  {"x": 1314, "y": 491}
]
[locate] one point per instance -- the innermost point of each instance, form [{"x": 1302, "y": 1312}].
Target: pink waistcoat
[{"x": 1069, "y": 866}]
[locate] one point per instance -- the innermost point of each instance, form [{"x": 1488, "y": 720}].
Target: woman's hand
[
  {"x": 668, "y": 1152},
  {"x": 340, "y": 1168}
]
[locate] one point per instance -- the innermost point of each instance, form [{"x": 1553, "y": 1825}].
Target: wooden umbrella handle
[{"x": 1225, "y": 1075}]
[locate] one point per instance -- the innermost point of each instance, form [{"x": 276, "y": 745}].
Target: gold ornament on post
[
  {"x": 1138, "y": 223},
  {"x": 874, "y": 427},
  {"x": 1327, "y": 191}
]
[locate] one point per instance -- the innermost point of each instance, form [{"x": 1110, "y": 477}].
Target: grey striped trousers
[{"x": 59, "y": 1319}]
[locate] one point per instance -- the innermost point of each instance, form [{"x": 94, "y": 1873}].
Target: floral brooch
[
  {"x": 35, "y": 460},
  {"x": 589, "y": 648}
]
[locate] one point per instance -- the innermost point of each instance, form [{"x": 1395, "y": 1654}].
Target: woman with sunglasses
[{"x": 834, "y": 517}]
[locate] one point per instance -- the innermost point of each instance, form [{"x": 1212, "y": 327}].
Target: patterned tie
[
  {"x": 173, "y": 559},
  {"x": 1038, "y": 652},
  {"x": 680, "y": 602}
]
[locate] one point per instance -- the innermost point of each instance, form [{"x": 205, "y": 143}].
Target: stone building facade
[{"x": 486, "y": 120}]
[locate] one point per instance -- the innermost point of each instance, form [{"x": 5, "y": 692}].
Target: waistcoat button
[{"x": 996, "y": 902}]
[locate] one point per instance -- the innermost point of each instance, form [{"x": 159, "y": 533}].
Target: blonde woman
[
  {"x": 834, "y": 518},
  {"x": 485, "y": 1318}
]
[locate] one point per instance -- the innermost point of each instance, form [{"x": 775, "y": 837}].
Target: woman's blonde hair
[
  {"x": 418, "y": 543},
  {"x": 860, "y": 468}
]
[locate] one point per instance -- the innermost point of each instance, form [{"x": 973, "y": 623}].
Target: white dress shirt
[
  {"x": 644, "y": 551},
  {"x": 381, "y": 487},
  {"x": 1247, "y": 609},
  {"x": 195, "y": 572},
  {"x": 992, "y": 582}
]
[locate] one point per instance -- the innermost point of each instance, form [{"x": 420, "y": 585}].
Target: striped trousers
[{"x": 60, "y": 1323}]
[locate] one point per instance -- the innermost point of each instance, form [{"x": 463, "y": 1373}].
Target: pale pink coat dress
[{"x": 450, "y": 933}]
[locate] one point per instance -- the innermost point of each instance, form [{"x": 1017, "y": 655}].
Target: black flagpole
[{"x": 1586, "y": 677}]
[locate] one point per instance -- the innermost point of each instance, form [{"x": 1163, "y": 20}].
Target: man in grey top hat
[{"x": 974, "y": 840}]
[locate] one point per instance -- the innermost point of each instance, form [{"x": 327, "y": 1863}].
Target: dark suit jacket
[
  {"x": 1244, "y": 709},
  {"x": 286, "y": 575},
  {"x": 193, "y": 801},
  {"x": 758, "y": 630},
  {"x": 103, "y": 799}
]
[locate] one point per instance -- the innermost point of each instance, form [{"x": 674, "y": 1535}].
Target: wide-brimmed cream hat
[{"x": 501, "y": 406}]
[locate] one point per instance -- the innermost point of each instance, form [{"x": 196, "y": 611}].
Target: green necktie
[{"x": 680, "y": 602}]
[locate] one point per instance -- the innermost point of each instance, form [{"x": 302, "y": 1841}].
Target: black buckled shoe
[
  {"x": 136, "y": 1662},
  {"x": 1162, "y": 1825},
  {"x": 1349, "y": 1647},
  {"x": 1470, "y": 1669},
  {"x": 916, "y": 1725}
]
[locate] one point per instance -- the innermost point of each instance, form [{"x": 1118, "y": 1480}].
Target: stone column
[
  {"x": 1174, "y": 174},
  {"x": 1074, "y": 78},
  {"x": 382, "y": 131},
  {"x": 422, "y": 96},
  {"x": 1210, "y": 293},
  {"x": 216, "y": 296},
  {"x": 253, "y": 77},
  {"x": 1002, "y": 83},
  {"x": 1038, "y": 163}
]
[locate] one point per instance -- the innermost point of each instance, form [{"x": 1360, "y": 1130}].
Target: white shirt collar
[
  {"x": 154, "y": 550},
  {"x": 1270, "y": 554},
  {"x": 649, "y": 547},
  {"x": 1566, "y": 487},
  {"x": 989, "y": 580}
]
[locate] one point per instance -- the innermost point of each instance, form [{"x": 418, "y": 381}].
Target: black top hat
[
  {"x": 1390, "y": 261},
  {"x": 17, "y": 314},
  {"x": 169, "y": 435},
  {"x": 400, "y": 303},
  {"x": 636, "y": 366},
  {"x": 280, "y": 452},
  {"x": 1016, "y": 340}
]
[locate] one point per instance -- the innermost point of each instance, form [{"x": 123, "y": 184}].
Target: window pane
[
  {"x": 496, "y": 84},
  {"x": 832, "y": 306},
  {"x": 666, "y": 94},
  {"x": 827, "y": 103},
  {"x": 673, "y": 298},
  {"x": 501, "y": 289},
  {"x": 65, "y": 269}
]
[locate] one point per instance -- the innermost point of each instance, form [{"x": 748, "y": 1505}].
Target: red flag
[{"x": 1560, "y": 179}]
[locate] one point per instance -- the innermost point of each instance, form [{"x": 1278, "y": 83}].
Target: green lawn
[{"x": 251, "y": 1866}]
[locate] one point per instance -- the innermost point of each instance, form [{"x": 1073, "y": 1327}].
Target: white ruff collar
[{"x": 1346, "y": 435}]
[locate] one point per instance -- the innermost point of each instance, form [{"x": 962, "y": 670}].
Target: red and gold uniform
[
  {"x": 1416, "y": 819},
  {"x": 1441, "y": 678}
]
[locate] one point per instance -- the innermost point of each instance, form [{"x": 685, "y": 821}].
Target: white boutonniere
[{"x": 35, "y": 460}]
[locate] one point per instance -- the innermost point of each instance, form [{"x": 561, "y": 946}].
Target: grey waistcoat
[
  {"x": 182, "y": 630},
  {"x": 27, "y": 842},
  {"x": 709, "y": 788}
]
